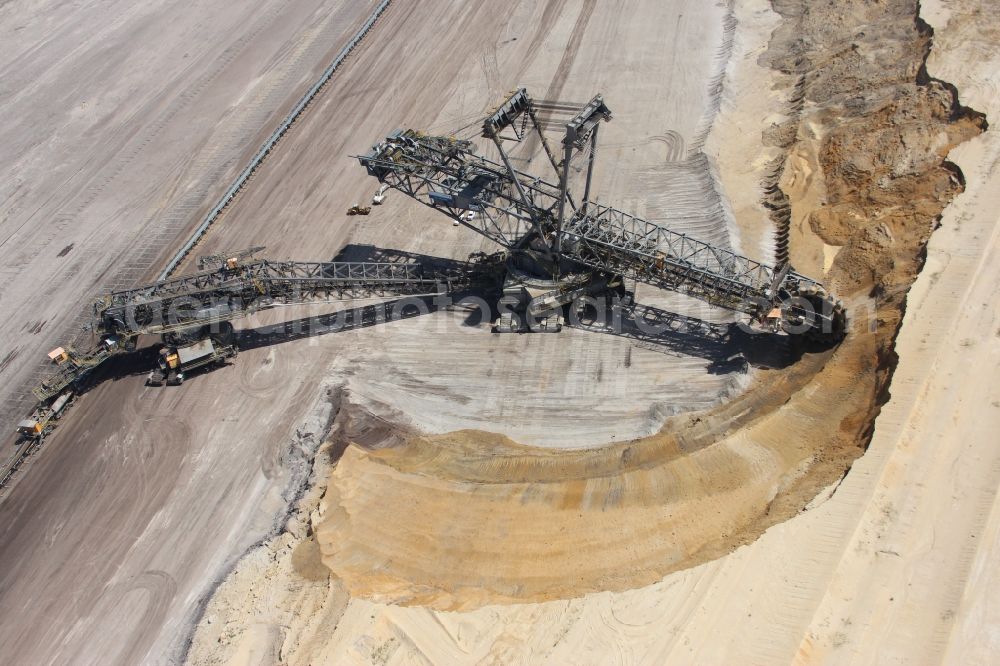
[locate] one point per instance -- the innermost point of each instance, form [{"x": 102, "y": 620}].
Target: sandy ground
[{"x": 156, "y": 498}]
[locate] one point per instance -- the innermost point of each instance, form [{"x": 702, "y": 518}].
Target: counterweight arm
[{"x": 239, "y": 289}]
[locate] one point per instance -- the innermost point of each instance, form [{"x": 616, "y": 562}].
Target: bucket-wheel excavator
[
  {"x": 560, "y": 247},
  {"x": 555, "y": 248}
]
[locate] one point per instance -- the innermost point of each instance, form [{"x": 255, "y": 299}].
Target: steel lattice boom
[
  {"x": 211, "y": 296},
  {"x": 619, "y": 243}
]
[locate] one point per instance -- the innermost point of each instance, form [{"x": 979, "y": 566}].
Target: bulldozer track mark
[{"x": 674, "y": 143}]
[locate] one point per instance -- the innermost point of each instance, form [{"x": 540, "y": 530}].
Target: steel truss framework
[
  {"x": 485, "y": 196},
  {"x": 489, "y": 197},
  {"x": 73, "y": 368},
  {"x": 210, "y": 296},
  {"x": 619, "y": 243},
  {"x": 477, "y": 192}
]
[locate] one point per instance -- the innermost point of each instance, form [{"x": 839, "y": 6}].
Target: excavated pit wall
[{"x": 465, "y": 519}]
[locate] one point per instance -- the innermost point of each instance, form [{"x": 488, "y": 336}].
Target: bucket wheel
[{"x": 810, "y": 311}]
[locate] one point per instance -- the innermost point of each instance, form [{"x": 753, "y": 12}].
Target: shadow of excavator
[
  {"x": 341, "y": 321},
  {"x": 729, "y": 347},
  {"x": 373, "y": 253},
  {"x": 139, "y": 361}
]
